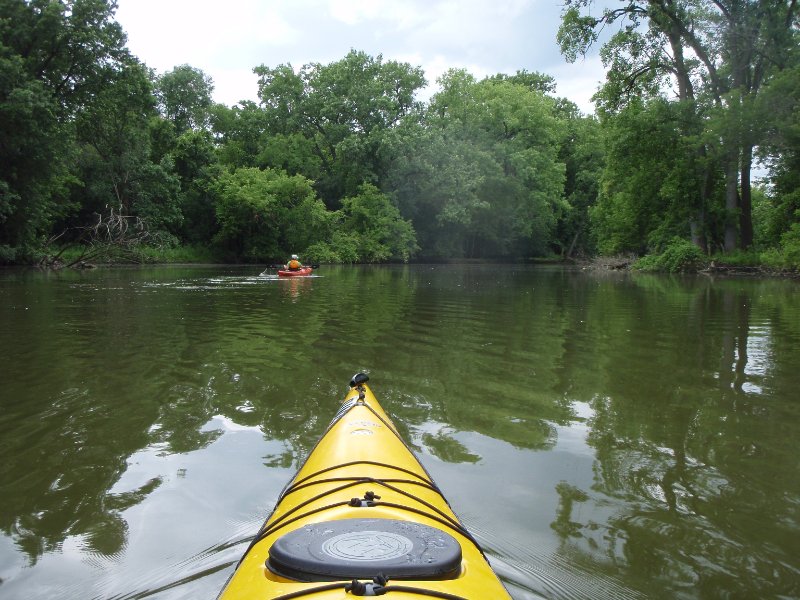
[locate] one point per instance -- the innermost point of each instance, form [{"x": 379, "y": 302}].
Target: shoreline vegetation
[
  {"x": 736, "y": 265},
  {"x": 711, "y": 266}
]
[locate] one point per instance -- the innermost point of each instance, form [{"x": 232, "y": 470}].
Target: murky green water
[{"x": 604, "y": 436}]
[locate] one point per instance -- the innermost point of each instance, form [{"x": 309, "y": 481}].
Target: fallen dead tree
[
  {"x": 612, "y": 263},
  {"x": 112, "y": 237}
]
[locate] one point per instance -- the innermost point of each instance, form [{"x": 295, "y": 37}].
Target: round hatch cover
[{"x": 363, "y": 548}]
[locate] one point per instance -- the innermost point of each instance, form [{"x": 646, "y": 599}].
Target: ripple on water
[{"x": 542, "y": 569}]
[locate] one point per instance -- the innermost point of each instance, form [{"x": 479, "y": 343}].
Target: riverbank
[
  {"x": 713, "y": 267},
  {"x": 677, "y": 258}
]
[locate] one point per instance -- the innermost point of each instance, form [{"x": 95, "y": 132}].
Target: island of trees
[{"x": 101, "y": 158}]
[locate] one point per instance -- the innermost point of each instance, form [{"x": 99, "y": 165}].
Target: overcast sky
[{"x": 228, "y": 38}]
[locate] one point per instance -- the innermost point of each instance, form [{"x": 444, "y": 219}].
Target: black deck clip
[
  {"x": 363, "y": 588},
  {"x": 368, "y": 500}
]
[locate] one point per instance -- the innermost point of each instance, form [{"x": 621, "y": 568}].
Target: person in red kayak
[{"x": 294, "y": 263}]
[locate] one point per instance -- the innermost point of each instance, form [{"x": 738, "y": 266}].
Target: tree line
[{"x": 341, "y": 162}]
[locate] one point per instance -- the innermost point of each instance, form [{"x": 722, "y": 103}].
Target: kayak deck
[{"x": 361, "y": 516}]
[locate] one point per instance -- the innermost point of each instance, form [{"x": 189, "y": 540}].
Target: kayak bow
[{"x": 362, "y": 517}]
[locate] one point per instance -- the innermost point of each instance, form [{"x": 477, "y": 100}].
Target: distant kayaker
[{"x": 294, "y": 263}]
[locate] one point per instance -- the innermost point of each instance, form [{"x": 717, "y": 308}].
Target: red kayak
[{"x": 302, "y": 272}]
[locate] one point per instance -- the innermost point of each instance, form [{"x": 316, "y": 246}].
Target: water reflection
[
  {"x": 294, "y": 286},
  {"x": 564, "y": 525},
  {"x": 57, "y": 468},
  {"x": 693, "y": 460},
  {"x": 175, "y": 396}
]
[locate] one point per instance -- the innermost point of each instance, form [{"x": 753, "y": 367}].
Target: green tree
[
  {"x": 434, "y": 178},
  {"x": 185, "y": 98},
  {"x": 265, "y": 214},
  {"x": 197, "y": 167},
  {"x": 342, "y": 111},
  {"x": 54, "y": 56},
  {"x": 582, "y": 152},
  {"x": 116, "y": 166},
  {"x": 436, "y": 182},
  {"x": 374, "y": 224},
  {"x": 240, "y": 133},
  {"x": 192, "y": 158},
  {"x": 32, "y": 165},
  {"x": 535, "y": 82},
  {"x": 68, "y": 45},
  {"x": 718, "y": 55},
  {"x": 780, "y": 208},
  {"x": 650, "y": 182},
  {"x": 196, "y": 164},
  {"x": 503, "y": 191}
]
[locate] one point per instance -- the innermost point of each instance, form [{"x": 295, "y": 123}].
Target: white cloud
[
  {"x": 232, "y": 86},
  {"x": 227, "y": 40},
  {"x": 353, "y": 12},
  {"x": 269, "y": 27}
]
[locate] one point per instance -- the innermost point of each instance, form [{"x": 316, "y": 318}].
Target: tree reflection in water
[{"x": 695, "y": 472}]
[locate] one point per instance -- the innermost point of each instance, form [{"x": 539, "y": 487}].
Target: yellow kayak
[{"x": 362, "y": 517}]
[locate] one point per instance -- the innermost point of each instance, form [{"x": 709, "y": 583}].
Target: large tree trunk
[
  {"x": 731, "y": 206},
  {"x": 697, "y": 231},
  {"x": 697, "y": 225},
  {"x": 746, "y": 207},
  {"x": 572, "y": 245}
]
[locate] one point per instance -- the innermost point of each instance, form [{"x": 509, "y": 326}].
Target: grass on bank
[
  {"x": 73, "y": 255},
  {"x": 180, "y": 254},
  {"x": 681, "y": 256}
]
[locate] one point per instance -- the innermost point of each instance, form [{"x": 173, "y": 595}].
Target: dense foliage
[
  {"x": 342, "y": 163},
  {"x": 695, "y": 91}
]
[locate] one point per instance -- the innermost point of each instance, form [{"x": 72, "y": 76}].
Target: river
[{"x": 603, "y": 435}]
